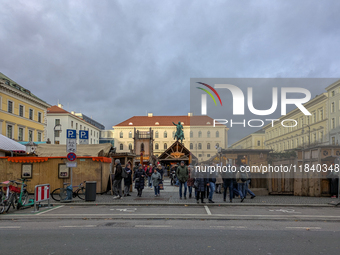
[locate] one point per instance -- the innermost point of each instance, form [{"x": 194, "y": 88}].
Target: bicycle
[
  {"x": 60, "y": 194},
  {"x": 23, "y": 199},
  {"x": 8, "y": 196}
]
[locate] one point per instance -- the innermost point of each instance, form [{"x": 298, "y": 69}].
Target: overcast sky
[{"x": 115, "y": 59}]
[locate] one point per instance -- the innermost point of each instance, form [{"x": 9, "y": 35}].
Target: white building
[
  {"x": 333, "y": 108},
  {"x": 59, "y": 120}
]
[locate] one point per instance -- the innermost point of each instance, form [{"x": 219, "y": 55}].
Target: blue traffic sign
[
  {"x": 83, "y": 134},
  {"x": 71, "y": 156},
  {"x": 71, "y": 134}
]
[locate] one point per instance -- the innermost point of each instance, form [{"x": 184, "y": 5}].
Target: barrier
[{"x": 41, "y": 193}]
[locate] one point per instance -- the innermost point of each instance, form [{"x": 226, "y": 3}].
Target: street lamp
[
  {"x": 308, "y": 133},
  {"x": 54, "y": 129}
]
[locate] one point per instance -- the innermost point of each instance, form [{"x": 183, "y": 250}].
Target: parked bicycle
[
  {"x": 8, "y": 195},
  {"x": 22, "y": 197},
  {"x": 60, "y": 194}
]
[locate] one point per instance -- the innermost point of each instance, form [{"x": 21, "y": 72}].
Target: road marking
[
  {"x": 125, "y": 209},
  {"x": 14, "y": 227},
  {"x": 228, "y": 227},
  {"x": 48, "y": 210},
  {"x": 153, "y": 226},
  {"x": 207, "y": 209},
  {"x": 82, "y": 226},
  {"x": 285, "y": 211},
  {"x": 304, "y": 227}
]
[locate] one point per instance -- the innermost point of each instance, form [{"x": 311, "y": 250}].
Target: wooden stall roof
[
  {"x": 83, "y": 150},
  {"x": 43, "y": 159}
]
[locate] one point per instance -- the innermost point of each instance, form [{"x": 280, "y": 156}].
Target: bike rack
[{"x": 41, "y": 193}]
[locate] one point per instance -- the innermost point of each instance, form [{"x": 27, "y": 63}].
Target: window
[
  {"x": 39, "y": 137},
  {"x": 321, "y": 137},
  {"x": 208, "y": 134},
  {"x": 314, "y": 117},
  {"x": 199, "y": 155},
  {"x": 21, "y": 110},
  {"x": 156, "y": 146},
  {"x": 21, "y": 134},
  {"x": 57, "y": 122},
  {"x": 199, "y": 134},
  {"x": 208, "y": 146},
  {"x": 156, "y": 134},
  {"x": 333, "y": 123},
  {"x": 130, "y": 146},
  {"x": 121, "y": 134},
  {"x": 308, "y": 120},
  {"x": 30, "y": 135},
  {"x": 30, "y": 116},
  {"x": 191, "y": 134},
  {"x": 72, "y": 124},
  {"x": 121, "y": 146},
  {"x": 333, "y": 93},
  {"x": 39, "y": 117},
  {"x": 165, "y": 146},
  {"x": 321, "y": 114},
  {"x": 165, "y": 134},
  {"x": 217, "y": 145},
  {"x": 56, "y": 133},
  {"x": 91, "y": 131},
  {"x": 191, "y": 146},
  {"x": 332, "y": 107},
  {"x": 173, "y": 134},
  {"x": 80, "y": 127},
  {"x": 91, "y": 141},
  {"x": 10, "y": 131},
  {"x": 10, "y": 107},
  {"x": 208, "y": 155},
  {"x": 76, "y": 125},
  {"x": 130, "y": 134},
  {"x": 333, "y": 140},
  {"x": 314, "y": 138},
  {"x": 258, "y": 143},
  {"x": 217, "y": 134},
  {"x": 200, "y": 146}
]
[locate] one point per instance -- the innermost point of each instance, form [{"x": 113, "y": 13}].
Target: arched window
[
  {"x": 217, "y": 145},
  {"x": 130, "y": 134},
  {"x": 121, "y": 146},
  {"x": 191, "y": 134},
  {"x": 165, "y": 146},
  {"x": 217, "y": 134},
  {"x": 142, "y": 147},
  {"x": 208, "y": 134},
  {"x": 173, "y": 134},
  {"x": 130, "y": 146},
  {"x": 156, "y": 146},
  {"x": 191, "y": 146},
  {"x": 165, "y": 134},
  {"x": 199, "y": 134},
  {"x": 121, "y": 134},
  {"x": 208, "y": 146},
  {"x": 200, "y": 146},
  {"x": 156, "y": 134}
]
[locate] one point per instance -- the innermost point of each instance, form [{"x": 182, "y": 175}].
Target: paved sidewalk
[{"x": 170, "y": 196}]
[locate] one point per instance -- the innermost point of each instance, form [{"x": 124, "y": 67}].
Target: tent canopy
[{"x": 7, "y": 144}]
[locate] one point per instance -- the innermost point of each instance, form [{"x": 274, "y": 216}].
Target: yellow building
[
  {"x": 304, "y": 130},
  {"x": 252, "y": 141},
  {"x": 22, "y": 114}
]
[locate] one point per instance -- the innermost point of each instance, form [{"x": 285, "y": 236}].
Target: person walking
[
  {"x": 190, "y": 182},
  {"x": 182, "y": 176},
  {"x": 200, "y": 186},
  {"x": 247, "y": 190},
  {"x": 228, "y": 183},
  {"x": 211, "y": 187},
  {"x": 127, "y": 181},
  {"x": 156, "y": 178},
  {"x": 241, "y": 178},
  {"x": 219, "y": 182},
  {"x": 138, "y": 178},
  {"x": 149, "y": 172},
  {"x": 117, "y": 180}
]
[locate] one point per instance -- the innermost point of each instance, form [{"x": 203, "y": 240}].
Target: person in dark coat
[
  {"x": 191, "y": 180},
  {"x": 117, "y": 180},
  {"x": 201, "y": 186},
  {"x": 138, "y": 178},
  {"x": 228, "y": 182},
  {"x": 334, "y": 182},
  {"x": 127, "y": 181}
]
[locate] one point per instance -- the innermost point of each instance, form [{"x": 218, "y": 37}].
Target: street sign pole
[{"x": 71, "y": 149}]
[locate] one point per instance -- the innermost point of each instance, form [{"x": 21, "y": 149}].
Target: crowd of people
[{"x": 203, "y": 185}]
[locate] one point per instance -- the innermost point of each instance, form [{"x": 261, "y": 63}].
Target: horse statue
[{"x": 179, "y": 135}]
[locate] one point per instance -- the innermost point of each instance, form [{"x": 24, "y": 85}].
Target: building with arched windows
[{"x": 199, "y": 133}]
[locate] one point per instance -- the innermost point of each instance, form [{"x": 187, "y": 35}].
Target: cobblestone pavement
[{"x": 170, "y": 195}]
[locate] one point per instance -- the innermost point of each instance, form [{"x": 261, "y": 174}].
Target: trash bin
[{"x": 90, "y": 191}]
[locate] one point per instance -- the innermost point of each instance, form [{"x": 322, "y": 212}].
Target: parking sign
[{"x": 83, "y": 137}]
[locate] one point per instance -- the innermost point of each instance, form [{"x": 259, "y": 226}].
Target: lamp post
[
  {"x": 308, "y": 133},
  {"x": 54, "y": 129}
]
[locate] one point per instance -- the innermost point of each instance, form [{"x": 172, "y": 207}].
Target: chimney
[
  {"x": 61, "y": 106},
  {"x": 150, "y": 114}
]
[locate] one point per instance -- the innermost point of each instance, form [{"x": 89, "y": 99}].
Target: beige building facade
[
  {"x": 253, "y": 141},
  {"x": 201, "y": 138}
]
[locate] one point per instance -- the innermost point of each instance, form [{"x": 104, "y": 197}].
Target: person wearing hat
[{"x": 182, "y": 176}]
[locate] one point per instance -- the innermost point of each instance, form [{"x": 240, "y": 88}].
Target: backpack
[
  {"x": 124, "y": 173},
  {"x": 243, "y": 176}
]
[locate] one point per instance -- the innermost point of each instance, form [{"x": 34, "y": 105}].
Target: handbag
[
  {"x": 137, "y": 180},
  {"x": 196, "y": 184},
  {"x": 161, "y": 186}
]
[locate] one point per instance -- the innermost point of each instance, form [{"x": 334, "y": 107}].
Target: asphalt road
[{"x": 168, "y": 237}]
